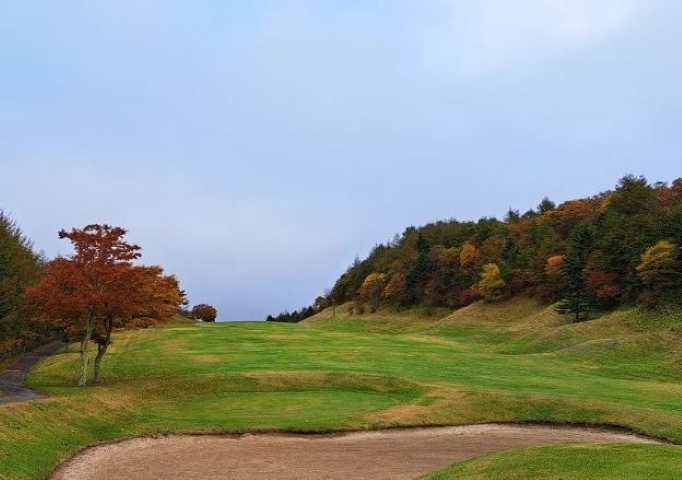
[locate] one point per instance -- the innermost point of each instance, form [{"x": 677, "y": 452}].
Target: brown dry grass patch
[
  {"x": 208, "y": 359},
  {"x": 176, "y": 345},
  {"x": 430, "y": 409}
]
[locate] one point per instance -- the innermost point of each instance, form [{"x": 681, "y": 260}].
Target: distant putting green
[{"x": 515, "y": 362}]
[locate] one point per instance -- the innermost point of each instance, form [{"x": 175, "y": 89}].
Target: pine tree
[
  {"x": 576, "y": 269},
  {"x": 418, "y": 273}
]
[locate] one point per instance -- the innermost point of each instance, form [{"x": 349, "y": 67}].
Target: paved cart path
[{"x": 12, "y": 375}]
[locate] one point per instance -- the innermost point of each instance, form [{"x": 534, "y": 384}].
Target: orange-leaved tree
[
  {"x": 371, "y": 289},
  {"x": 204, "y": 312},
  {"x": 98, "y": 288}
]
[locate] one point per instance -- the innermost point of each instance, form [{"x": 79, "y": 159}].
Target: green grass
[
  {"x": 515, "y": 362},
  {"x": 571, "y": 462}
]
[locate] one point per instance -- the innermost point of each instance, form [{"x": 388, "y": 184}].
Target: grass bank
[{"x": 562, "y": 462}]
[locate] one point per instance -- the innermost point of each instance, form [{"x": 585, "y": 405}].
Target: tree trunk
[
  {"x": 101, "y": 350},
  {"x": 102, "y": 346},
  {"x": 84, "y": 354},
  {"x": 84, "y": 361}
]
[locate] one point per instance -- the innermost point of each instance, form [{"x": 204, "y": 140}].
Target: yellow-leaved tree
[
  {"x": 491, "y": 285},
  {"x": 468, "y": 256},
  {"x": 556, "y": 277},
  {"x": 657, "y": 270}
]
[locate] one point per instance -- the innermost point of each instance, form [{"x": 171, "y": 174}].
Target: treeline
[
  {"x": 293, "y": 317},
  {"x": 620, "y": 247},
  {"x": 20, "y": 266}
]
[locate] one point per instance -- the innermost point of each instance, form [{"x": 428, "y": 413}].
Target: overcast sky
[{"x": 254, "y": 148}]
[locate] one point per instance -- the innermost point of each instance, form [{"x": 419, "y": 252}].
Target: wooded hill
[
  {"x": 20, "y": 266},
  {"x": 620, "y": 247}
]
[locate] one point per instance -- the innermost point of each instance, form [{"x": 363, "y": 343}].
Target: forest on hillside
[
  {"x": 619, "y": 247},
  {"x": 20, "y": 267}
]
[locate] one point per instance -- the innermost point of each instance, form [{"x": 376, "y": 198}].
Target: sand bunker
[{"x": 391, "y": 454}]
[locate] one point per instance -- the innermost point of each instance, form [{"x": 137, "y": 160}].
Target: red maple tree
[
  {"x": 98, "y": 289},
  {"x": 204, "y": 312}
]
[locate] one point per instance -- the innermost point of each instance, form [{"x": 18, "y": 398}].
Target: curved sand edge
[{"x": 383, "y": 454}]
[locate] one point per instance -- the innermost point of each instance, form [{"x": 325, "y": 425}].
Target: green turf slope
[{"x": 513, "y": 362}]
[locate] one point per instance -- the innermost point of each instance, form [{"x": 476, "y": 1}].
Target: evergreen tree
[
  {"x": 418, "y": 272},
  {"x": 20, "y": 267},
  {"x": 546, "y": 205},
  {"x": 633, "y": 221},
  {"x": 576, "y": 262}
]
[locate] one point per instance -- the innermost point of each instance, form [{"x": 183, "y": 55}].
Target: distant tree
[
  {"x": 445, "y": 281},
  {"x": 546, "y": 205},
  {"x": 321, "y": 302},
  {"x": 577, "y": 258},
  {"x": 492, "y": 249},
  {"x": 469, "y": 295},
  {"x": 204, "y": 312},
  {"x": 512, "y": 216},
  {"x": 658, "y": 270},
  {"x": 295, "y": 316},
  {"x": 371, "y": 289},
  {"x": 604, "y": 287},
  {"x": 418, "y": 273},
  {"x": 569, "y": 214},
  {"x": 20, "y": 267},
  {"x": 556, "y": 277},
  {"x": 395, "y": 290},
  {"x": 98, "y": 288},
  {"x": 183, "y": 305},
  {"x": 468, "y": 256},
  {"x": 633, "y": 220},
  {"x": 350, "y": 281},
  {"x": 492, "y": 284}
]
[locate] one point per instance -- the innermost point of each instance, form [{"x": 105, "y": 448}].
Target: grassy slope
[
  {"x": 562, "y": 462},
  {"x": 513, "y": 362}
]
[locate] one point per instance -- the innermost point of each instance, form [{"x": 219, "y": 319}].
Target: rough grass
[{"x": 515, "y": 362}]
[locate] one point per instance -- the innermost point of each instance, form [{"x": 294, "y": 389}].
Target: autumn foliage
[
  {"x": 371, "y": 289},
  {"x": 99, "y": 289},
  {"x": 491, "y": 285},
  {"x": 619, "y": 247},
  {"x": 204, "y": 312},
  {"x": 660, "y": 272}
]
